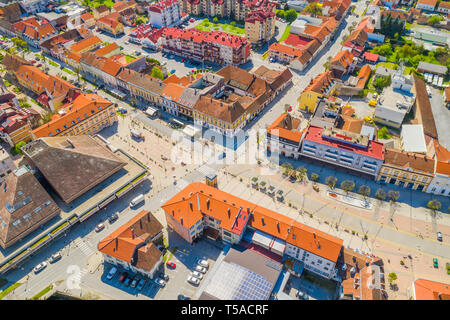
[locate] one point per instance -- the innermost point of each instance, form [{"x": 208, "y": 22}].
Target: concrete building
[
  {"x": 444, "y": 7},
  {"x": 260, "y": 26},
  {"x": 324, "y": 85},
  {"x": 133, "y": 245},
  {"x": 408, "y": 170},
  {"x": 344, "y": 149},
  {"x": 392, "y": 107},
  {"x": 34, "y": 6},
  {"x": 430, "y": 290},
  {"x": 15, "y": 123},
  {"x": 216, "y": 46},
  {"x": 164, "y": 13}
]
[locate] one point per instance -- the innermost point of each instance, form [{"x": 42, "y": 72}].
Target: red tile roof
[
  {"x": 283, "y": 127},
  {"x": 374, "y": 149},
  {"x": 225, "y": 207},
  {"x": 363, "y": 76},
  {"x": 442, "y": 159},
  {"x": 85, "y": 43},
  {"x": 278, "y": 47}
]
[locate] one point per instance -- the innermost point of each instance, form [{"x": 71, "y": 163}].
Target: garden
[{"x": 215, "y": 25}]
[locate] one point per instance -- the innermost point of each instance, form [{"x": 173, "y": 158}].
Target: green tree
[
  {"x": 301, "y": 173},
  {"x": 233, "y": 23},
  {"x": 434, "y": 20},
  {"x": 347, "y": 185},
  {"x": 314, "y": 177},
  {"x": 216, "y": 20},
  {"x": 281, "y": 14},
  {"x": 383, "y": 133},
  {"x": 380, "y": 194},
  {"x": 157, "y": 73},
  {"x": 382, "y": 82},
  {"x": 331, "y": 182},
  {"x": 290, "y": 15},
  {"x": 364, "y": 190},
  {"x": 434, "y": 205},
  {"x": 314, "y": 9},
  {"x": 393, "y": 195},
  {"x": 384, "y": 50},
  {"x": 18, "y": 147}
]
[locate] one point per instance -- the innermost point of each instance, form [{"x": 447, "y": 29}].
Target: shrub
[
  {"x": 314, "y": 177},
  {"x": 331, "y": 181},
  {"x": 393, "y": 195},
  {"x": 347, "y": 185},
  {"x": 380, "y": 194},
  {"x": 434, "y": 205}
]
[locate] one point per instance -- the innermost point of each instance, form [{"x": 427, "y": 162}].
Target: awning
[
  {"x": 269, "y": 242},
  {"x": 192, "y": 131}
]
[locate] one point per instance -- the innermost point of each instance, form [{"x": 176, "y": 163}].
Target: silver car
[
  {"x": 193, "y": 280},
  {"x": 40, "y": 267},
  {"x": 197, "y": 274},
  {"x": 200, "y": 269},
  {"x": 203, "y": 263}
]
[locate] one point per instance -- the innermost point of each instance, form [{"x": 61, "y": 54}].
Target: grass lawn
[
  {"x": 389, "y": 65},
  {"x": 286, "y": 33},
  {"x": 40, "y": 294},
  {"x": 208, "y": 26},
  {"x": 68, "y": 71},
  {"x": 53, "y": 63},
  {"x": 9, "y": 289},
  {"x": 129, "y": 58},
  {"x": 409, "y": 70},
  {"x": 7, "y": 83}
]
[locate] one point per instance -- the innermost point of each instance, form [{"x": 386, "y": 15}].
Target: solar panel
[{"x": 234, "y": 282}]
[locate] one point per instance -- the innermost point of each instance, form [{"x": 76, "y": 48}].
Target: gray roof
[
  {"x": 433, "y": 68},
  {"x": 24, "y": 206},
  {"x": 384, "y": 72},
  {"x": 72, "y": 165}
]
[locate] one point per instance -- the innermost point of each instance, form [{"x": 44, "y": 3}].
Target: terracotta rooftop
[
  {"x": 363, "y": 76},
  {"x": 287, "y": 127},
  {"x": 223, "y": 206},
  {"x": 410, "y": 160},
  {"x": 343, "y": 59},
  {"x": 424, "y": 107},
  {"x": 85, "y": 43},
  {"x": 431, "y": 290},
  {"x": 442, "y": 159},
  {"x": 132, "y": 242}
]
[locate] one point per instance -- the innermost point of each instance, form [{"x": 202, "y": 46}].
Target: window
[{"x": 37, "y": 209}]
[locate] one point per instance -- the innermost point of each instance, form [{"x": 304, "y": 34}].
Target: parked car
[
  {"x": 439, "y": 236},
  {"x": 301, "y": 295},
  {"x": 123, "y": 276},
  {"x": 200, "y": 269},
  {"x": 435, "y": 263},
  {"x": 197, "y": 274},
  {"x": 134, "y": 282},
  {"x": 182, "y": 297},
  {"x": 99, "y": 227},
  {"x": 39, "y": 65},
  {"x": 203, "y": 263},
  {"x": 41, "y": 266},
  {"x": 55, "y": 257},
  {"x": 141, "y": 284},
  {"x": 113, "y": 217},
  {"x": 222, "y": 155},
  {"x": 127, "y": 281},
  {"x": 160, "y": 282},
  {"x": 171, "y": 264},
  {"x": 164, "y": 276},
  {"x": 193, "y": 280},
  {"x": 111, "y": 273}
]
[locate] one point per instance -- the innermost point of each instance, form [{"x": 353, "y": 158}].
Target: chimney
[
  {"x": 262, "y": 221},
  {"x": 190, "y": 205},
  {"x": 181, "y": 220},
  {"x": 173, "y": 213},
  {"x": 278, "y": 226},
  {"x": 207, "y": 204},
  {"x": 229, "y": 212}
]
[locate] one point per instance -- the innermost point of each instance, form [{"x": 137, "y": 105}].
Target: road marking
[
  {"x": 205, "y": 169},
  {"x": 84, "y": 247},
  {"x": 181, "y": 184}
]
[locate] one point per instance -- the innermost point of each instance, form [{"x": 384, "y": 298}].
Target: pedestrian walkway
[
  {"x": 205, "y": 170},
  {"x": 84, "y": 247}
]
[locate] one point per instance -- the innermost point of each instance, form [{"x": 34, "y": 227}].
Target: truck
[{"x": 136, "y": 133}]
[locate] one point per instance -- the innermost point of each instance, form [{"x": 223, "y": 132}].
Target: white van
[
  {"x": 137, "y": 200},
  {"x": 111, "y": 273}
]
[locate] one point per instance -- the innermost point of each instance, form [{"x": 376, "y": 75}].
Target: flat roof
[
  {"x": 243, "y": 275},
  {"x": 413, "y": 138}
]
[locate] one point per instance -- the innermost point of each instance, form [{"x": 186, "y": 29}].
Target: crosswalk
[
  {"x": 181, "y": 184},
  {"x": 205, "y": 169},
  {"x": 84, "y": 247}
]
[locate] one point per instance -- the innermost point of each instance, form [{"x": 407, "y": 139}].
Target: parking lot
[{"x": 184, "y": 256}]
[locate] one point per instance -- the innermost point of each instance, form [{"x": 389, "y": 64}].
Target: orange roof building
[
  {"x": 363, "y": 76},
  {"x": 430, "y": 290},
  {"x": 133, "y": 244},
  {"x": 86, "y": 45},
  {"x": 284, "y": 135},
  {"x": 87, "y": 114},
  {"x": 200, "y": 209},
  {"x": 440, "y": 184}
]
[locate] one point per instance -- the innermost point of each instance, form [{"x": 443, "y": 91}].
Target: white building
[
  {"x": 6, "y": 164},
  {"x": 34, "y": 6},
  {"x": 427, "y": 5},
  {"x": 164, "y": 13},
  {"x": 440, "y": 184},
  {"x": 344, "y": 149}
]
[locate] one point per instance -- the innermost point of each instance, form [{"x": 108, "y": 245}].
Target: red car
[
  {"x": 192, "y": 20},
  {"x": 171, "y": 264},
  {"x": 39, "y": 65},
  {"x": 182, "y": 60},
  {"x": 290, "y": 108}
]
